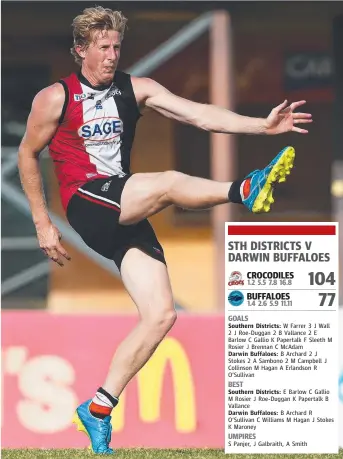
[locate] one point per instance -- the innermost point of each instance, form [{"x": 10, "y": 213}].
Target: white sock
[{"x": 101, "y": 399}]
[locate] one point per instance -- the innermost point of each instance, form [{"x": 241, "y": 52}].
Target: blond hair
[{"x": 92, "y": 20}]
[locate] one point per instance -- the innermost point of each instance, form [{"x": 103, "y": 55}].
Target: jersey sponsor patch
[
  {"x": 113, "y": 92},
  {"x": 79, "y": 97},
  {"x": 101, "y": 129}
]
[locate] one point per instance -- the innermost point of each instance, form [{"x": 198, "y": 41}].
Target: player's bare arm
[
  {"x": 41, "y": 126},
  {"x": 281, "y": 119}
]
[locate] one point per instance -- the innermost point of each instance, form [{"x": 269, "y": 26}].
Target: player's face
[{"x": 102, "y": 55}]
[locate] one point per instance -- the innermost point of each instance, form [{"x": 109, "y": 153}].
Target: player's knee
[
  {"x": 162, "y": 321},
  {"x": 166, "y": 319},
  {"x": 169, "y": 180},
  {"x": 169, "y": 319}
]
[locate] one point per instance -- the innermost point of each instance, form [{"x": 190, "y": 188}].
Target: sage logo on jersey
[
  {"x": 235, "y": 279},
  {"x": 101, "y": 129}
]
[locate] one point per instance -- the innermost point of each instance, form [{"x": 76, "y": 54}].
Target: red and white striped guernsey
[{"x": 95, "y": 133}]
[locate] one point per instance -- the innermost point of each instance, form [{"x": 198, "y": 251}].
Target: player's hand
[
  {"x": 49, "y": 241},
  {"x": 283, "y": 119}
]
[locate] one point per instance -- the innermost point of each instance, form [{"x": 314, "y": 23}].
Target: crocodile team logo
[
  {"x": 236, "y": 298},
  {"x": 235, "y": 279}
]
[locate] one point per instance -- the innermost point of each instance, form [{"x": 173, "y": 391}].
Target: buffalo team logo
[
  {"x": 236, "y": 298},
  {"x": 235, "y": 279},
  {"x": 101, "y": 129}
]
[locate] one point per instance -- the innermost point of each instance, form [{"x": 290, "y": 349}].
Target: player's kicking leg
[{"x": 147, "y": 194}]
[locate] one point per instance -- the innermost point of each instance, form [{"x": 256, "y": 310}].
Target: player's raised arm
[
  {"x": 41, "y": 126},
  {"x": 217, "y": 119}
]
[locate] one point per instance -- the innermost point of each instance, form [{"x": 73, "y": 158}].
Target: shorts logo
[
  {"x": 236, "y": 298},
  {"x": 235, "y": 279},
  {"x": 101, "y": 129},
  {"x": 106, "y": 186},
  {"x": 157, "y": 250}
]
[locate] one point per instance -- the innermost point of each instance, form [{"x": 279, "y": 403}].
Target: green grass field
[{"x": 140, "y": 453}]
